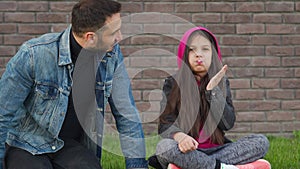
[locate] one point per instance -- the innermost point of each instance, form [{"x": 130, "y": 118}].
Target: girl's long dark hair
[{"x": 188, "y": 97}]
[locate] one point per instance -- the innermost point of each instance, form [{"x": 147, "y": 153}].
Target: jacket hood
[{"x": 184, "y": 39}]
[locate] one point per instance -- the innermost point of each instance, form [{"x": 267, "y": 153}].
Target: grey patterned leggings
[{"x": 244, "y": 150}]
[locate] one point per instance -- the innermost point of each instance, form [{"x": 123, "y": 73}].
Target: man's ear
[{"x": 90, "y": 39}]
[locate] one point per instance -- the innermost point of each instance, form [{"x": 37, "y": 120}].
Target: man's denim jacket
[{"x": 34, "y": 92}]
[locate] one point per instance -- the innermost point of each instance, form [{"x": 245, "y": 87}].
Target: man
[{"x": 47, "y": 115}]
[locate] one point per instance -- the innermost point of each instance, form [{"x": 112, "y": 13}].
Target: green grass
[{"x": 284, "y": 153}]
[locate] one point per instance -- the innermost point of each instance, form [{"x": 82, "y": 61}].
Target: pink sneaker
[
  {"x": 172, "y": 166},
  {"x": 258, "y": 164}
]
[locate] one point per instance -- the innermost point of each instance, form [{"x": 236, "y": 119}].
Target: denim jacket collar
[{"x": 64, "y": 48}]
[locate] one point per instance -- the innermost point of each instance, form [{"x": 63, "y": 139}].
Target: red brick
[
  {"x": 16, "y": 39},
  {"x": 250, "y": 116},
  {"x": 266, "y": 61},
  {"x": 150, "y": 117},
  {"x": 241, "y": 105},
  {"x": 297, "y": 114},
  {"x": 221, "y": 28},
  {"x": 280, "y": 6},
  {"x": 236, "y": 18},
  {"x": 279, "y": 72},
  {"x": 297, "y": 72},
  {"x": 53, "y": 17},
  {"x": 248, "y": 51},
  {"x": 146, "y": 18},
  {"x": 290, "y": 83},
  {"x": 7, "y": 51},
  {"x": 279, "y": 51},
  {"x": 132, "y": 7},
  {"x": 142, "y": 106},
  {"x": 3, "y": 61},
  {"x": 137, "y": 94},
  {"x": 33, "y": 6},
  {"x": 290, "y": 126},
  {"x": 61, "y": 6},
  {"x": 145, "y": 84},
  {"x": 145, "y": 39},
  {"x": 249, "y": 94},
  {"x": 266, "y": 83},
  {"x": 291, "y": 18},
  {"x": 59, "y": 27},
  {"x": 19, "y": 17},
  {"x": 280, "y": 116},
  {"x": 182, "y": 28},
  {"x": 1, "y": 17},
  {"x": 265, "y": 127},
  {"x": 237, "y": 61},
  {"x": 291, "y": 105},
  {"x": 219, "y": 7},
  {"x": 33, "y": 29},
  {"x": 153, "y": 95},
  {"x": 8, "y": 6},
  {"x": 206, "y": 18},
  {"x": 227, "y": 51},
  {"x": 241, "y": 127},
  {"x": 145, "y": 62},
  {"x": 154, "y": 73},
  {"x": 176, "y": 18},
  {"x": 291, "y": 40},
  {"x": 280, "y": 29},
  {"x": 297, "y": 6},
  {"x": 168, "y": 62},
  {"x": 280, "y": 94},
  {"x": 239, "y": 83},
  {"x": 159, "y": 7},
  {"x": 131, "y": 29},
  {"x": 236, "y": 40},
  {"x": 170, "y": 40},
  {"x": 266, "y": 40},
  {"x": 291, "y": 61},
  {"x": 267, "y": 18},
  {"x": 249, "y": 6},
  {"x": 265, "y": 105},
  {"x": 159, "y": 28},
  {"x": 134, "y": 73},
  {"x": 190, "y": 7},
  {"x": 247, "y": 72},
  {"x": 297, "y": 51},
  {"x": 8, "y": 28},
  {"x": 250, "y": 28}
]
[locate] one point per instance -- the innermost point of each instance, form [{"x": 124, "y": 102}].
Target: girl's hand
[
  {"x": 186, "y": 143},
  {"x": 217, "y": 78}
]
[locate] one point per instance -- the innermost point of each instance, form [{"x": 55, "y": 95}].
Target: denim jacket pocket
[
  {"x": 43, "y": 103},
  {"x": 106, "y": 87}
]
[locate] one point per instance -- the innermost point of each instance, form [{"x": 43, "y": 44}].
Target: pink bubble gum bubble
[{"x": 199, "y": 61}]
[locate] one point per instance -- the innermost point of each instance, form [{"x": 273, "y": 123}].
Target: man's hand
[
  {"x": 217, "y": 78},
  {"x": 186, "y": 143}
]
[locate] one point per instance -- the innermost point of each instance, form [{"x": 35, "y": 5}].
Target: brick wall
[{"x": 259, "y": 40}]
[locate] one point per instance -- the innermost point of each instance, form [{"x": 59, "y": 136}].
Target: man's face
[{"x": 110, "y": 34}]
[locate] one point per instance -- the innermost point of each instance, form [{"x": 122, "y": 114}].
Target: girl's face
[{"x": 200, "y": 55}]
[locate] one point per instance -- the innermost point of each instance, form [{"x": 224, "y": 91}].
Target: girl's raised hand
[{"x": 217, "y": 78}]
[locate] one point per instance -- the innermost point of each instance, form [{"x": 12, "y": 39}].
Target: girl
[{"x": 196, "y": 110}]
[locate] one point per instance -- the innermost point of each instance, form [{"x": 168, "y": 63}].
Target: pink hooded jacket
[
  {"x": 184, "y": 39},
  {"x": 180, "y": 55}
]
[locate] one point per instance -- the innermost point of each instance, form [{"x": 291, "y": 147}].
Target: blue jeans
[{"x": 72, "y": 156}]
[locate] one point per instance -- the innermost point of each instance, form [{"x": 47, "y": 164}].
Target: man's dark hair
[{"x": 90, "y": 15}]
